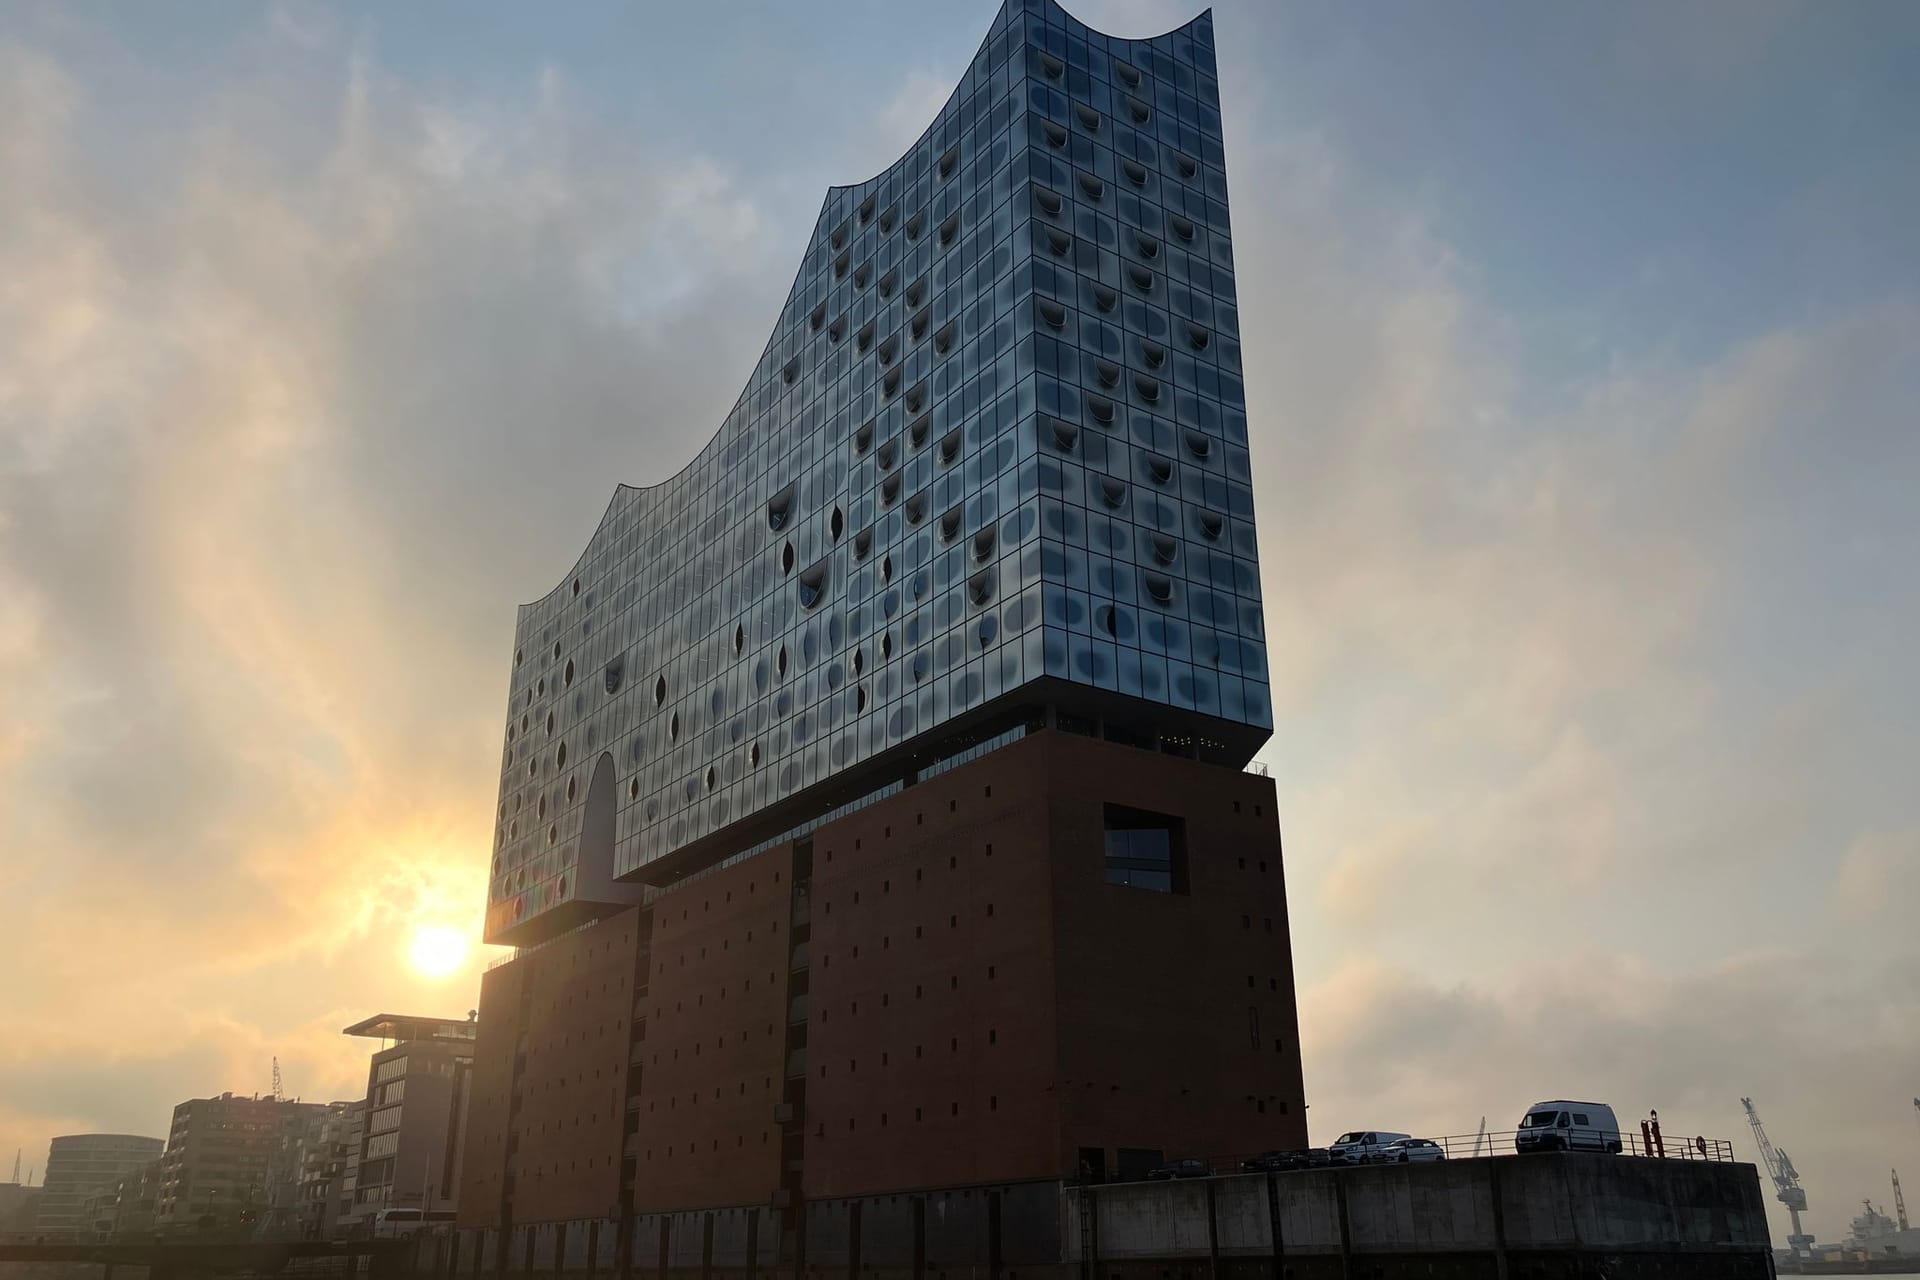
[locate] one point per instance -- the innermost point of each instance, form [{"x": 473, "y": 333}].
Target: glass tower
[{"x": 990, "y": 471}]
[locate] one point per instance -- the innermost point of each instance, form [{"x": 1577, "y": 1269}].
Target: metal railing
[
  {"x": 521, "y": 953},
  {"x": 1469, "y": 1146}
]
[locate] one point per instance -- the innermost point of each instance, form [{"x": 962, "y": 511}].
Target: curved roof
[{"x": 625, "y": 494}]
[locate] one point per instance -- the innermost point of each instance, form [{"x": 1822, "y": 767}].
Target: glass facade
[{"x": 995, "y": 452}]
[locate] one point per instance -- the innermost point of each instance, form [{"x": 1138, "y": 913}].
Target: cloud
[
  {"x": 281, "y": 442},
  {"x": 1879, "y": 878},
  {"x": 1594, "y": 711},
  {"x": 1389, "y": 1047},
  {"x": 915, "y": 104},
  {"x": 1578, "y": 798}
]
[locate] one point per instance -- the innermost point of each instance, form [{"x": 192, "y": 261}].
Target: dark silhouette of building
[
  {"x": 80, "y": 1167},
  {"x": 408, "y": 1154},
  {"x": 216, "y": 1172}
]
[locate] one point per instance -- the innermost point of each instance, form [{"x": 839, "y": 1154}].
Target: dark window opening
[{"x": 1146, "y": 850}]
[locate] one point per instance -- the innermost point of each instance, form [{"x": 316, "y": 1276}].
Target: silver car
[{"x": 1410, "y": 1151}]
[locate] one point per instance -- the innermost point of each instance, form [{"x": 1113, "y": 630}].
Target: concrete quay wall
[
  {"x": 1548, "y": 1217},
  {"x": 1545, "y": 1216}
]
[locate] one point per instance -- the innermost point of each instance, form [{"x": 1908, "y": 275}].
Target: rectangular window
[{"x": 1146, "y": 850}]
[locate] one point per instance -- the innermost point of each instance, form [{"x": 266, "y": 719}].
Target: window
[{"x": 1146, "y": 850}]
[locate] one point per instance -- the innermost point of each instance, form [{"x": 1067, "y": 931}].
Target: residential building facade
[
  {"x": 134, "y": 1200},
  {"x": 409, "y": 1145},
  {"x": 303, "y": 1175},
  {"x": 80, "y": 1167},
  {"x": 216, "y": 1172}
]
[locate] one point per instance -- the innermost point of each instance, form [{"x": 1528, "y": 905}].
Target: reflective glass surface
[{"x": 998, "y": 435}]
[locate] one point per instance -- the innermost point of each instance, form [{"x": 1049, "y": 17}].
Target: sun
[{"x": 437, "y": 950}]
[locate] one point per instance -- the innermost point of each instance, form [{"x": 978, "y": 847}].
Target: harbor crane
[
  {"x": 1786, "y": 1181},
  {"x": 1899, "y": 1202}
]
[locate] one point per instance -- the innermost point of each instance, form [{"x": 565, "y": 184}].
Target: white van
[
  {"x": 1362, "y": 1146},
  {"x": 1563, "y": 1125}
]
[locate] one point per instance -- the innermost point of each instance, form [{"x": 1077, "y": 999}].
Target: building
[
  {"x": 19, "y": 1204},
  {"x": 872, "y": 810},
  {"x": 324, "y": 1162},
  {"x": 80, "y": 1166},
  {"x": 216, "y": 1172},
  {"x": 129, "y": 1216},
  {"x": 409, "y": 1147},
  {"x": 345, "y": 1189},
  {"x": 304, "y": 1174},
  {"x": 99, "y": 1212}
]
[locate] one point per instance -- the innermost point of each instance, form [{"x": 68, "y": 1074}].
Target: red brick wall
[
  {"x": 1159, "y": 994},
  {"x": 482, "y": 1162},
  {"x": 981, "y": 1003},
  {"x": 715, "y": 1052},
  {"x": 1113, "y": 1017},
  {"x": 929, "y": 1041},
  {"x": 572, "y": 1089}
]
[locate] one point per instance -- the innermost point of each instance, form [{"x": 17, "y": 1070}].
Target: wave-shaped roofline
[{"x": 639, "y": 492}]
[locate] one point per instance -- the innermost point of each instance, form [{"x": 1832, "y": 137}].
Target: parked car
[
  {"x": 1285, "y": 1161},
  {"x": 1562, "y": 1125},
  {"x": 1411, "y": 1151},
  {"x": 1179, "y": 1169},
  {"x": 390, "y": 1223},
  {"x": 1361, "y": 1145}
]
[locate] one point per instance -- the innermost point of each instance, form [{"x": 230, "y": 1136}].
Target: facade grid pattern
[{"x": 997, "y": 438}]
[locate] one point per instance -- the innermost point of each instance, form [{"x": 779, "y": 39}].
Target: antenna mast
[{"x": 276, "y": 1079}]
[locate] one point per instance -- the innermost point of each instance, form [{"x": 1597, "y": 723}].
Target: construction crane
[
  {"x": 1899, "y": 1202},
  {"x": 276, "y": 1079},
  {"x": 1786, "y": 1181}
]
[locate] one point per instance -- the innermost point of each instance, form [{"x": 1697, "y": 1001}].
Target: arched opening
[{"x": 596, "y": 825}]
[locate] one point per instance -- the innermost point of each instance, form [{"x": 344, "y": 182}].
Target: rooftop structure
[{"x": 406, "y": 1027}]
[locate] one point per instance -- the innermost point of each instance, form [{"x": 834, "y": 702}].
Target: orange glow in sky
[{"x": 438, "y": 951}]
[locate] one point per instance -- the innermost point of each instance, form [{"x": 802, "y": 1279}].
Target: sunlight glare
[{"x": 438, "y": 950}]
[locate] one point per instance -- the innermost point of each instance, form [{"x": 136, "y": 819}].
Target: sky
[{"x": 1583, "y": 351}]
